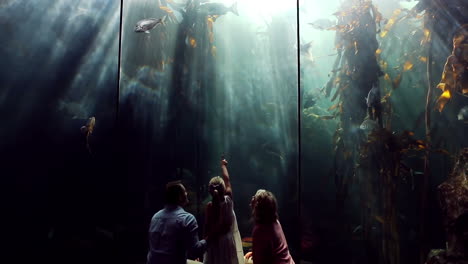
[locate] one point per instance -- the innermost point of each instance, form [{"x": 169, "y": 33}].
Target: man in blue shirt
[{"x": 173, "y": 232}]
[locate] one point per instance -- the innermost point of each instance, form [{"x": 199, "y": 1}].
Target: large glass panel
[
  {"x": 320, "y": 238},
  {"x": 378, "y": 138},
  {"x": 58, "y": 68},
  {"x": 207, "y": 83}
]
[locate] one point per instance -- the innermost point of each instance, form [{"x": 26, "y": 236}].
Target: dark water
[{"x": 189, "y": 92}]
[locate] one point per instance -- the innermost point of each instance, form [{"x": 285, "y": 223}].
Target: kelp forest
[{"x": 381, "y": 163}]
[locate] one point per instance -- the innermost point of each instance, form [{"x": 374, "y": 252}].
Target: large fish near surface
[
  {"x": 147, "y": 24},
  {"x": 217, "y": 9}
]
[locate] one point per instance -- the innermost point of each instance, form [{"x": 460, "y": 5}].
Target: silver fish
[
  {"x": 147, "y": 24},
  {"x": 373, "y": 97},
  {"x": 305, "y": 48},
  {"x": 369, "y": 125},
  {"x": 463, "y": 114},
  {"x": 322, "y": 24},
  {"x": 217, "y": 9}
]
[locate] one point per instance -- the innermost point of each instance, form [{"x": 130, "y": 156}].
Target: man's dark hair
[{"x": 174, "y": 190}]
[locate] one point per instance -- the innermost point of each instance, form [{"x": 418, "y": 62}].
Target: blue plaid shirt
[{"x": 173, "y": 233}]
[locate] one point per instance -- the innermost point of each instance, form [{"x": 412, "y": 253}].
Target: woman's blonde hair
[
  {"x": 264, "y": 207},
  {"x": 217, "y": 183}
]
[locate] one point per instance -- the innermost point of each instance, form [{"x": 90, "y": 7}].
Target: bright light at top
[
  {"x": 259, "y": 9},
  {"x": 269, "y": 7}
]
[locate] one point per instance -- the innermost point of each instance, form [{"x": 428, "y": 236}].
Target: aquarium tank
[{"x": 353, "y": 113}]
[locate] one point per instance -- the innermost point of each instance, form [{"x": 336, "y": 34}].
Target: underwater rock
[{"x": 454, "y": 203}]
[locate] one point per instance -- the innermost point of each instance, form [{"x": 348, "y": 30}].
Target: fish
[
  {"x": 305, "y": 48},
  {"x": 369, "y": 125},
  {"x": 88, "y": 130},
  {"x": 413, "y": 172},
  {"x": 309, "y": 101},
  {"x": 327, "y": 117},
  {"x": 80, "y": 12},
  {"x": 217, "y": 9},
  {"x": 145, "y": 25},
  {"x": 272, "y": 150},
  {"x": 89, "y": 127},
  {"x": 323, "y": 24},
  {"x": 358, "y": 229},
  {"x": 105, "y": 233},
  {"x": 373, "y": 97},
  {"x": 322, "y": 117},
  {"x": 275, "y": 154},
  {"x": 463, "y": 114}
]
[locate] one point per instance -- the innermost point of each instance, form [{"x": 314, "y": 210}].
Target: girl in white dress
[{"x": 226, "y": 248}]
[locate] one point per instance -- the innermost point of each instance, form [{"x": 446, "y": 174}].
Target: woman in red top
[{"x": 269, "y": 245}]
